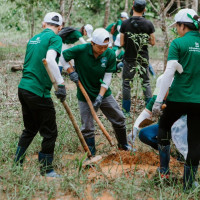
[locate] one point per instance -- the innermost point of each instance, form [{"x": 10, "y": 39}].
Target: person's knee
[{"x": 143, "y": 136}]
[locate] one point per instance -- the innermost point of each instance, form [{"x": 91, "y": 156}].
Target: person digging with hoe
[
  {"x": 95, "y": 63},
  {"x": 184, "y": 94},
  {"x": 34, "y": 93}
]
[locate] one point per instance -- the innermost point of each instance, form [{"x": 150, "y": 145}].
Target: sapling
[{"x": 140, "y": 40}]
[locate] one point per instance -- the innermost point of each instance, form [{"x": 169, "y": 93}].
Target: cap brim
[{"x": 172, "y": 25}]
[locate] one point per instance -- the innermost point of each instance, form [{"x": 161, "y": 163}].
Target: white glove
[
  {"x": 157, "y": 109},
  {"x": 132, "y": 135}
]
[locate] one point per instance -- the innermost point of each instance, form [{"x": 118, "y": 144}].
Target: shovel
[{"x": 65, "y": 105}]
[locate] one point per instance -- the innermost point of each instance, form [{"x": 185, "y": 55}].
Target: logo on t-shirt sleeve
[
  {"x": 104, "y": 61},
  {"x": 36, "y": 41}
]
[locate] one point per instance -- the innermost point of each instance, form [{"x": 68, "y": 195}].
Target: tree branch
[
  {"x": 153, "y": 7},
  {"x": 168, "y": 6}
]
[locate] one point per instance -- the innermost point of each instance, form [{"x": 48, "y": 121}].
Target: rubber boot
[
  {"x": 164, "y": 153},
  {"x": 46, "y": 168},
  {"x": 91, "y": 145},
  {"x": 126, "y": 106},
  {"x": 20, "y": 155},
  {"x": 60, "y": 68},
  {"x": 122, "y": 139},
  {"x": 189, "y": 177}
]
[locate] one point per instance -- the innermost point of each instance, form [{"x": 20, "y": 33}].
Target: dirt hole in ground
[{"x": 142, "y": 158}]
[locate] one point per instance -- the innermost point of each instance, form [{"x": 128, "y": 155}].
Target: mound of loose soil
[{"x": 144, "y": 158}]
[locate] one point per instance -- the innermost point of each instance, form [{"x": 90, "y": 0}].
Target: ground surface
[{"x": 119, "y": 175}]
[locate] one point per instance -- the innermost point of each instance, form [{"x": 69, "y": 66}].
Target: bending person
[{"x": 95, "y": 64}]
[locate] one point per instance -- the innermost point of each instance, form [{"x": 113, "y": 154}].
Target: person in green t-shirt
[
  {"x": 184, "y": 94},
  {"x": 71, "y": 35},
  {"x": 34, "y": 93},
  {"x": 94, "y": 65},
  {"x": 114, "y": 28}
]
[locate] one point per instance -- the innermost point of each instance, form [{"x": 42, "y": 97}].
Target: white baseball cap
[
  {"x": 54, "y": 18},
  {"x": 117, "y": 41},
  {"x": 182, "y": 16},
  {"x": 124, "y": 15},
  {"x": 89, "y": 30},
  {"x": 99, "y": 35}
]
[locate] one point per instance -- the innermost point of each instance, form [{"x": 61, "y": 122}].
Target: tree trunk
[
  {"x": 178, "y": 4},
  {"x": 32, "y": 20},
  {"x": 107, "y": 13},
  {"x": 126, "y": 6},
  {"x": 62, "y": 10},
  {"x": 195, "y": 5},
  {"x": 186, "y": 3},
  {"x": 70, "y": 3}
]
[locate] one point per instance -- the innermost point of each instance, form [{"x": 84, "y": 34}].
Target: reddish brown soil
[{"x": 146, "y": 158}]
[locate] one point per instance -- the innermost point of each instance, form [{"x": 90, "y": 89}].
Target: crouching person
[
  {"x": 94, "y": 65},
  {"x": 34, "y": 93}
]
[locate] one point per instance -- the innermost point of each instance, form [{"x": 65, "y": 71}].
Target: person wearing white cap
[
  {"x": 136, "y": 25},
  {"x": 184, "y": 94},
  {"x": 34, "y": 93},
  {"x": 114, "y": 28},
  {"x": 94, "y": 65},
  {"x": 71, "y": 35}
]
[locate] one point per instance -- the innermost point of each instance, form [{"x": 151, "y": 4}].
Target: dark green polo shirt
[
  {"x": 35, "y": 78},
  {"x": 91, "y": 70},
  {"x": 185, "y": 87},
  {"x": 109, "y": 27},
  {"x": 73, "y": 37}
]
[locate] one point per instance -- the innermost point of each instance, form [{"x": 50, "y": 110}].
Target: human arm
[
  {"x": 152, "y": 39},
  {"x": 104, "y": 86},
  {"x": 172, "y": 67},
  {"x": 121, "y": 39},
  {"x": 53, "y": 66},
  {"x": 81, "y": 39}
]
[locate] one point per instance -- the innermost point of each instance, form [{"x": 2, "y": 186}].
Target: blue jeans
[{"x": 148, "y": 135}]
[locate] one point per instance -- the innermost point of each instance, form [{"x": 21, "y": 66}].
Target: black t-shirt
[{"x": 135, "y": 25}]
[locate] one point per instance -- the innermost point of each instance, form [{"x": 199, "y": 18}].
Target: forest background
[{"x": 119, "y": 176}]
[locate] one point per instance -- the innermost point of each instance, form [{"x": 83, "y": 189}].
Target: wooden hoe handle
[
  {"x": 80, "y": 136},
  {"x": 94, "y": 113}
]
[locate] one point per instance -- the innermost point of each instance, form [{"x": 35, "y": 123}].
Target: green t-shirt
[
  {"x": 149, "y": 106},
  {"x": 73, "y": 37},
  {"x": 35, "y": 78},
  {"x": 109, "y": 27},
  {"x": 91, "y": 70},
  {"x": 185, "y": 87}
]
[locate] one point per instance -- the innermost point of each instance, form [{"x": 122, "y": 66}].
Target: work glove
[
  {"x": 119, "y": 66},
  {"x": 131, "y": 136},
  {"x": 157, "y": 109},
  {"x": 97, "y": 102},
  {"x": 61, "y": 93},
  {"x": 74, "y": 77}
]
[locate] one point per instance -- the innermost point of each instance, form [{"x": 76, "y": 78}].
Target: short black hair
[
  {"x": 52, "y": 24},
  {"x": 139, "y": 5},
  {"x": 191, "y": 26}
]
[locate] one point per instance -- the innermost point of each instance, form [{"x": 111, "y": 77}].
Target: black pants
[
  {"x": 128, "y": 75},
  {"x": 174, "y": 111},
  {"x": 38, "y": 115}
]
